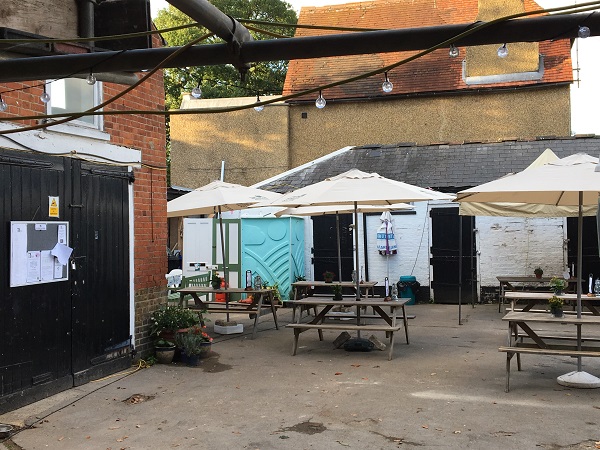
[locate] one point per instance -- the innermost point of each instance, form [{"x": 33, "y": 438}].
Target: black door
[
  {"x": 446, "y": 230},
  {"x": 591, "y": 261},
  {"x": 62, "y": 333},
  {"x": 325, "y": 250}
]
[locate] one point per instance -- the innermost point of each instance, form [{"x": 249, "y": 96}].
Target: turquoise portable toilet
[
  {"x": 407, "y": 288},
  {"x": 274, "y": 249}
]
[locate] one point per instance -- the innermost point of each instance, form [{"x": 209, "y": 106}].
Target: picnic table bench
[
  {"x": 389, "y": 327},
  {"x": 543, "y": 344}
]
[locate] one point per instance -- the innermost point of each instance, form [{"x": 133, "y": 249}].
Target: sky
[{"x": 585, "y": 93}]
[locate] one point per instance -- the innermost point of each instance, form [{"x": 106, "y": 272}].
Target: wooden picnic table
[
  {"x": 534, "y": 298},
  {"x": 254, "y": 308},
  {"x": 379, "y": 308},
  {"x": 508, "y": 283},
  {"x": 562, "y": 341}
]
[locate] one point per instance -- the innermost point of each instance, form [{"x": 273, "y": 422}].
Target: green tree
[{"x": 225, "y": 81}]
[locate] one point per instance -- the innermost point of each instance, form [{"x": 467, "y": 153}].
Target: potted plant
[
  {"x": 168, "y": 320},
  {"x": 276, "y": 293},
  {"x": 538, "y": 271},
  {"x": 196, "y": 344},
  {"x": 215, "y": 281},
  {"x": 165, "y": 351},
  {"x": 556, "y": 306},
  {"x": 328, "y": 276},
  {"x": 557, "y": 284},
  {"x": 337, "y": 291}
]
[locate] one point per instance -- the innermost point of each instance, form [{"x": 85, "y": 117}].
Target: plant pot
[
  {"x": 206, "y": 350},
  {"x": 556, "y": 312},
  {"x": 538, "y": 275},
  {"x": 328, "y": 280},
  {"x": 558, "y": 291},
  {"x": 165, "y": 355}
]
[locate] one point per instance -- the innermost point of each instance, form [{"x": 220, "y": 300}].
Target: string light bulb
[
  {"x": 387, "y": 85},
  {"x": 3, "y": 104},
  {"x": 197, "y": 92},
  {"x": 502, "y": 51},
  {"x": 45, "y": 97},
  {"x": 320, "y": 102},
  {"x": 258, "y": 108},
  {"x": 454, "y": 52},
  {"x": 91, "y": 79},
  {"x": 584, "y": 32}
]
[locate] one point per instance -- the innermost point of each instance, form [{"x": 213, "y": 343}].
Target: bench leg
[
  {"x": 274, "y": 311},
  {"x": 390, "y": 354},
  {"x": 295, "y": 344},
  {"x": 519, "y": 362},
  {"x": 405, "y": 320},
  {"x": 509, "y": 355}
]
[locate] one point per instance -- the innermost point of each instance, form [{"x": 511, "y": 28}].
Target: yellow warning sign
[{"x": 53, "y": 206}]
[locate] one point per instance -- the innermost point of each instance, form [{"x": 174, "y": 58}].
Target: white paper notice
[
  {"x": 62, "y": 234},
  {"x": 18, "y": 270},
  {"x": 47, "y": 262},
  {"x": 33, "y": 266},
  {"x": 58, "y": 268},
  {"x": 62, "y": 252}
]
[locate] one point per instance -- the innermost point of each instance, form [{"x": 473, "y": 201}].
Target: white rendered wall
[
  {"x": 516, "y": 246},
  {"x": 413, "y": 239}
]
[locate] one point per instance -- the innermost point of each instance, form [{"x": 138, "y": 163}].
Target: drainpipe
[
  {"x": 224, "y": 26},
  {"x": 86, "y": 19}
]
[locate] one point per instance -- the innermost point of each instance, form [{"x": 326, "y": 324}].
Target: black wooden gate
[
  {"x": 590, "y": 259},
  {"x": 325, "y": 256},
  {"x": 446, "y": 256},
  {"x": 61, "y": 334}
]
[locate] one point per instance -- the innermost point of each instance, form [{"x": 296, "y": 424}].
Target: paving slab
[{"x": 443, "y": 390}]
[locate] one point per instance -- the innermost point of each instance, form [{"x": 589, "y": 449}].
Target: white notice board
[{"x": 39, "y": 252}]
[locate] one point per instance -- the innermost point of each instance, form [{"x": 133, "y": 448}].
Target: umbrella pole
[
  {"x": 339, "y": 253},
  {"x": 357, "y": 265},
  {"x": 225, "y": 274},
  {"x": 579, "y": 378}
]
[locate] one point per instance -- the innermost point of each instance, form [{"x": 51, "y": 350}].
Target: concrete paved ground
[{"x": 444, "y": 390}]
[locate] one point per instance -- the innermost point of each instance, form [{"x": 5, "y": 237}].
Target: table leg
[
  {"x": 258, "y": 308},
  {"x": 273, "y": 309},
  {"x": 295, "y": 344}
]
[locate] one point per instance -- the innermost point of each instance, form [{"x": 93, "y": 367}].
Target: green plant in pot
[
  {"x": 165, "y": 351},
  {"x": 538, "y": 271},
  {"x": 337, "y": 291},
  {"x": 556, "y": 306},
  {"x": 558, "y": 285},
  {"x": 196, "y": 343},
  {"x": 166, "y": 321},
  {"x": 215, "y": 281},
  {"x": 328, "y": 276}
]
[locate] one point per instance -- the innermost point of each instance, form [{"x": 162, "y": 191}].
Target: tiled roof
[
  {"x": 433, "y": 73},
  {"x": 445, "y": 167}
]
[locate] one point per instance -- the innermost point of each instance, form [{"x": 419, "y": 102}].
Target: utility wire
[{"x": 473, "y": 28}]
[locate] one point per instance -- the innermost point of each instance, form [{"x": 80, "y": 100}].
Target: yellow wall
[{"x": 255, "y": 145}]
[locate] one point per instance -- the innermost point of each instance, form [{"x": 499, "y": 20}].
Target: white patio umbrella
[
  {"x": 571, "y": 183},
  {"x": 355, "y": 187},
  {"x": 217, "y": 197},
  {"x": 337, "y": 210}
]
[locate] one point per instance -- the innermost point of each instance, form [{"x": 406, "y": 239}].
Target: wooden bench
[
  {"x": 301, "y": 327},
  {"x": 556, "y": 350}
]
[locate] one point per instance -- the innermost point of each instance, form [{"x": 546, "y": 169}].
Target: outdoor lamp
[{"x": 248, "y": 280}]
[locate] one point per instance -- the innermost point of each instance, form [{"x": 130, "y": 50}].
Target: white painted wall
[
  {"x": 413, "y": 238},
  {"x": 516, "y": 246}
]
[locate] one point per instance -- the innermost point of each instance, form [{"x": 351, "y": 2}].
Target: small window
[{"x": 69, "y": 95}]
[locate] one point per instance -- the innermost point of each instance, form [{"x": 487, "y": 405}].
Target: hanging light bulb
[
  {"x": 454, "y": 52},
  {"x": 91, "y": 79},
  {"x": 258, "y": 108},
  {"x": 320, "y": 102},
  {"x": 197, "y": 92},
  {"x": 387, "y": 85},
  {"x": 584, "y": 32},
  {"x": 45, "y": 97},
  {"x": 3, "y": 105},
  {"x": 502, "y": 51}
]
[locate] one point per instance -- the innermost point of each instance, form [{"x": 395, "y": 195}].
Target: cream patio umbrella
[
  {"x": 571, "y": 183},
  {"x": 337, "y": 210},
  {"x": 217, "y": 197},
  {"x": 355, "y": 187}
]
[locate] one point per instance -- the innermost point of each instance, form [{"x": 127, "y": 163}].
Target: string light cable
[{"x": 473, "y": 28}]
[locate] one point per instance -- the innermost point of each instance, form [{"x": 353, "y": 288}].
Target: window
[{"x": 70, "y": 95}]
